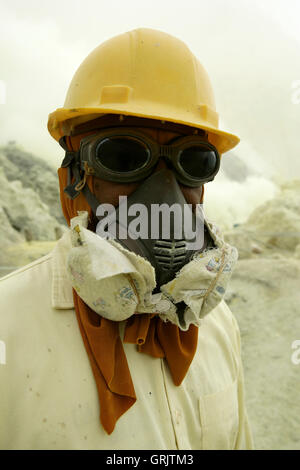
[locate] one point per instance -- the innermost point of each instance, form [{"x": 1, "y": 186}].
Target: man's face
[{"x": 109, "y": 192}]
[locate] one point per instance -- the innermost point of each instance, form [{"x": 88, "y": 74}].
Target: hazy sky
[{"x": 251, "y": 50}]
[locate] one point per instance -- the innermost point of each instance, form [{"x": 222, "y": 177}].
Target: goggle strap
[
  {"x": 62, "y": 142},
  {"x": 73, "y": 189},
  {"x": 165, "y": 150},
  {"x": 69, "y": 156}
]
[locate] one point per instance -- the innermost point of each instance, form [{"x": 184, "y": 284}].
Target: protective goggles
[{"x": 127, "y": 155}]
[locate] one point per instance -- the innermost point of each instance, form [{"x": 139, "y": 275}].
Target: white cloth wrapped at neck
[{"x": 117, "y": 283}]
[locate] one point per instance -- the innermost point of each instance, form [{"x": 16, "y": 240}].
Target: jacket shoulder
[
  {"x": 26, "y": 267},
  {"x": 21, "y": 285}
]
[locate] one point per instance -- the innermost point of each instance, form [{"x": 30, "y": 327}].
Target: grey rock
[
  {"x": 9, "y": 235},
  {"x": 34, "y": 173},
  {"x": 277, "y": 222},
  {"x": 26, "y": 212}
]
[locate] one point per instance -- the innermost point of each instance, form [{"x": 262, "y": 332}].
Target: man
[{"x": 133, "y": 329}]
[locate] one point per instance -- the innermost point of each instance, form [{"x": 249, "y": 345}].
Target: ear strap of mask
[{"x": 90, "y": 198}]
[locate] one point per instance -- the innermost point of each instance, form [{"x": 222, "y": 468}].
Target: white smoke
[{"x": 228, "y": 202}]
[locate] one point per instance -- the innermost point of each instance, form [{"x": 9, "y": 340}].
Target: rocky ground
[
  {"x": 30, "y": 213},
  {"x": 264, "y": 293}
]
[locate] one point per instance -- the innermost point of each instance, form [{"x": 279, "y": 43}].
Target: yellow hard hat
[{"x": 144, "y": 73}]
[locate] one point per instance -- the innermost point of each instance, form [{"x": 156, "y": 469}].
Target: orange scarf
[{"x": 102, "y": 340}]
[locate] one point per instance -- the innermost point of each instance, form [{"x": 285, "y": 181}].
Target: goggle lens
[
  {"x": 198, "y": 161},
  {"x": 122, "y": 154}
]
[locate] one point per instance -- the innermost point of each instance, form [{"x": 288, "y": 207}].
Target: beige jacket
[{"x": 48, "y": 392}]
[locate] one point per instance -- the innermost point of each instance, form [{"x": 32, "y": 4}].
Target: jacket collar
[{"x": 62, "y": 291}]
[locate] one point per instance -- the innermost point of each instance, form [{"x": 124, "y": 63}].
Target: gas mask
[
  {"x": 156, "y": 223},
  {"x": 166, "y": 231}
]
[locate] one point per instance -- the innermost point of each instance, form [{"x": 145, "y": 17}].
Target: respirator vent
[{"x": 170, "y": 254}]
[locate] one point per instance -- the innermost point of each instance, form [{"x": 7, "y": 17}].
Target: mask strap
[{"x": 91, "y": 199}]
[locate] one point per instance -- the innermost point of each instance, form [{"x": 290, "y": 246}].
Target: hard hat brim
[{"x": 62, "y": 121}]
